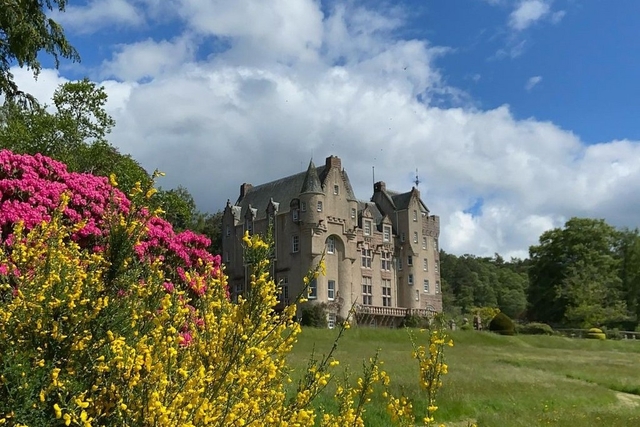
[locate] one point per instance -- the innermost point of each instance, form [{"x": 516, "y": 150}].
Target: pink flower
[
  {"x": 185, "y": 338},
  {"x": 168, "y": 286}
]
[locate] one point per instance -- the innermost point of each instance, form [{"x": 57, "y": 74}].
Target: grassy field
[{"x": 501, "y": 381}]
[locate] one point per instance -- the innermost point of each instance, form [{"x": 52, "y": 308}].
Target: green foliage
[
  {"x": 466, "y": 327},
  {"x": 74, "y": 133},
  {"x": 25, "y": 32},
  {"x": 574, "y": 275},
  {"x": 596, "y": 334},
  {"x": 314, "y": 315},
  {"x": 178, "y": 206},
  {"x": 415, "y": 321},
  {"x": 469, "y": 281},
  {"x": 502, "y": 324},
  {"x": 534, "y": 328}
]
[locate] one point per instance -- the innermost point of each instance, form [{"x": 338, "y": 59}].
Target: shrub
[
  {"x": 466, "y": 327},
  {"x": 314, "y": 315},
  {"x": 31, "y": 189},
  {"x": 502, "y": 324},
  {"x": 415, "y": 321},
  {"x": 534, "y": 328},
  {"x": 614, "y": 334},
  {"x": 596, "y": 334}
]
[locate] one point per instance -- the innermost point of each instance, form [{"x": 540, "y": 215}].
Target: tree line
[{"x": 584, "y": 274}]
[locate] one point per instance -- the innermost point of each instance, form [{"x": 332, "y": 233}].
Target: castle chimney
[
  {"x": 379, "y": 186},
  {"x": 244, "y": 189},
  {"x": 333, "y": 162}
]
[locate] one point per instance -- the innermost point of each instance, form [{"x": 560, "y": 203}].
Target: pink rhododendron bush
[{"x": 31, "y": 188}]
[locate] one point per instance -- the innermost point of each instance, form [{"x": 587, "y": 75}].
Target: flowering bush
[{"x": 31, "y": 188}]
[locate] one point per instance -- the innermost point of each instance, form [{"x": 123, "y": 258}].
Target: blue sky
[{"x": 518, "y": 113}]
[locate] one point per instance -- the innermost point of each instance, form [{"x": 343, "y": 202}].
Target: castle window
[
  {"x": 435, "y": 244},
  {"x": 227, "y": 258},
  {"x": 336, "y": 189},
  {"x": 435, "y": 266},
  {"x": 303, "y": 206},
  {"x": 415, "y": 215},
  {"x": 319, "y": 206},
  {"x": 248, "y": 226},
  {"x": 366, "y": 258},
  {"x": 399, "y": 263},
  {"x": 367, "y": 228},
  {"x": 367, "y": 292},
  {"x": 385, "y": 258},
  {"x": 331, "y": 320},
  {"x": 410, "y": 260},
  {"x": 313, "y": 289},
  {"x": 386, "y": 233},
  {"x": 415, "y": 237},
  {"x": 283, "y": 295},
  {"x": 426, "y": 285},
  {"x": 425, "y": 264},
  {"x": 331, "y": 290},
  {"x": 295, "y": 214},
  {"x": 353, "y": 212},
  {"x": 295, "y": 244},
  {"x": 410, "y": 280},
  {"x": 402, "y": 237},
  {"x": 331, "y": 245},
  {"x": 228, "y": 231},
  {"x": 386, "y": 293},
  {"x": 424, "y": 242},
  {"x": 437, "y": 287}
]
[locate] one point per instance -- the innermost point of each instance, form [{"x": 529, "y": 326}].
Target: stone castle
[{"x": 381, "y": 255}]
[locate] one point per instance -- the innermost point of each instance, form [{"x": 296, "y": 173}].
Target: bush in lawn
[
  {"x": 415, "y": 321},
  {"x": 313, "y": 315},
  {"x": 534, "y": 328},
  {"x": 502, "y": 324},
  {"x": 596, "y": 334}
]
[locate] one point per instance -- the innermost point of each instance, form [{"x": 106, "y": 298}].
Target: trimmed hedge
[{"x": 502, "y": 325}]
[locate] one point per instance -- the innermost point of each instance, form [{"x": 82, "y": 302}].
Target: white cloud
[
  {"x": 345, "y": 84},
  {"x": 532, "y": 82},
  {"x": 148, "y": 58},
  {"x": 527, "y": 13},
  {"x": 99, "y": 14}
]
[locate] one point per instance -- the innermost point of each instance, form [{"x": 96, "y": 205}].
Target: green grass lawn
[{"x": 500, "y": 381}]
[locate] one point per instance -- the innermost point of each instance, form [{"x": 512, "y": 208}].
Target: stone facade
[{"x": 380, "y": 255}]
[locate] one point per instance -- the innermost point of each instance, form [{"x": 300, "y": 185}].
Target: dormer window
[
  {"x": 248, "y": 226},
  {"x": 336, "y": 189},
  {"x": 367, "y": 228},
  {"x": 415, "y": 215},
  {"x": 295, "y": 214},
  {"x": 386, "y": 233},
  {"x": 303, "y": 206}
]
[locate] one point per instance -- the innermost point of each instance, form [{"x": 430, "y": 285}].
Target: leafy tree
[
  {"x": 26, "y": 31},
  {"x": 179, "y": 207},
  {"x": 629, "y": 254},
  {"x": 483, "y": 282},
  {"x": 570, "y": 269},
  {"x": 75, "y": 133}
]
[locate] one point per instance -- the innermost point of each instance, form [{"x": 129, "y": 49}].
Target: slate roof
[
  {"x": 377, "y": 215},
  {"x": 281, "y": 191},
  {"x": 311, "y": 183},
  {"x": 401, "y": 200}
]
